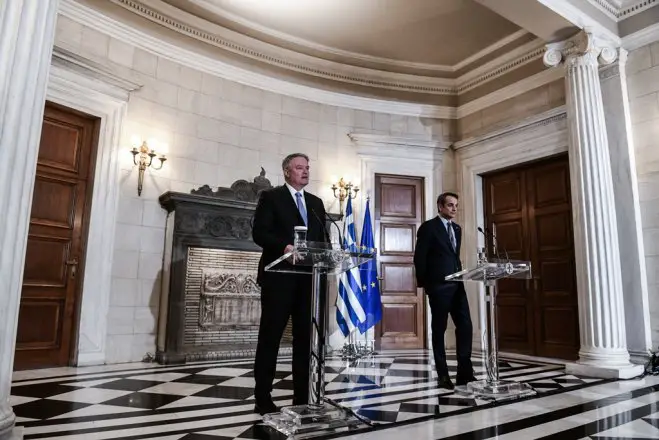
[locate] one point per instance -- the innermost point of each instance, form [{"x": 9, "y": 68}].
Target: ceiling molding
[
  {"x": 202, "y": 30},
  {"x": 217, "y": 9},
  {"x": 400, "y": 148},
  {"x": 143, "y": 40},
  {"x": 575, "y": 15},
  {"x": 526, "y": 124},
  {"x": 525, "y": 85},
  {"x": 641, "y": 38},
  {"x": 619, "y": 10},
  {"x": 531, "y": 51},
  {"x": 489, "y": 49},
  {"x": 410, "y": 141},
  {"x": 116, "y": 29},
  {"x": 110, "y": 83},
  {"x": 215, "y": 35}
]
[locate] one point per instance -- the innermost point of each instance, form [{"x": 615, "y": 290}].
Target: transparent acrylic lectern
[
  {"x": 487, "y": 273},
  {"x": 320, "y": 414}
]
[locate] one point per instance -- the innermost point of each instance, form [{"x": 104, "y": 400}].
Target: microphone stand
[
  {"x": 497, "y": 244},
  {"x": 494, "y": 244},
  {"x": 327, "y": 234}
]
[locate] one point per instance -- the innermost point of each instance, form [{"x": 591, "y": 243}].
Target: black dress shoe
[
  {"x": 265, "y": 407},
  {"x": 465, "y": 380},
  {"x": 445, "y": 382}
]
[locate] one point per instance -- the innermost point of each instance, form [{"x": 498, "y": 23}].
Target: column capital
[
  {"x": 617, "y": 68},
  {"x": 583, "y": 48}
]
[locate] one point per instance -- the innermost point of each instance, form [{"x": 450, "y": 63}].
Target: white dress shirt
[{"x": 293, "y": 191}]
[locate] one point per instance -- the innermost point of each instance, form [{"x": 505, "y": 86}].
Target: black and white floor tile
[{"x": 396, "y": 390}]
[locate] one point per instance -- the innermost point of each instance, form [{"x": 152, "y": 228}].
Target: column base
[
  {"x": 605, "y": 372},
  {"x": 15, "y": 434},
  {"x": 7, "y": 422}
]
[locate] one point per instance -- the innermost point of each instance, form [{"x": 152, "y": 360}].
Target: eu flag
[{"x": 370, "y": 298}]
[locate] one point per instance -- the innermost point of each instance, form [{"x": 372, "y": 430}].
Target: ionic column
[
  {"x": 27, "y": 30},
  {"x": 601, "y": 307},
  {"x": 613, "y": 81}
]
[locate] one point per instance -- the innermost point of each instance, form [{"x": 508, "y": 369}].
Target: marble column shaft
[
  {"x": 599, "y": 282},
  {"x": 27, "y": 30},
  {"x": 613, "y": 81}
]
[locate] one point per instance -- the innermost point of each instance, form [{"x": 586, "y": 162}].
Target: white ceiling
[{"x": 437, "y": 32}]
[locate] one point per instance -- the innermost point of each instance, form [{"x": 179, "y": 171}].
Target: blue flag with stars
[{"x": 369, "y": 277}]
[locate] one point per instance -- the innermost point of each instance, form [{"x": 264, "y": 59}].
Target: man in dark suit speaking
[
  {"x": 284, "y": 295},
  {"x": 437, "y": 254}
]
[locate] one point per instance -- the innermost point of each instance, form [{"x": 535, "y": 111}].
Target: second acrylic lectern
[
  {"x": 487, "y": 273},
  {"x": 316, "y": 260}
]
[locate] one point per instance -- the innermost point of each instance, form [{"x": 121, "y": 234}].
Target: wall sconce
[
  {"x": 144, "y": 161},
  {"x": 346, "y": 189}
]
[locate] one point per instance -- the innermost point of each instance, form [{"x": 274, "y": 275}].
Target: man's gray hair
[{"x": 287, "y": 160}]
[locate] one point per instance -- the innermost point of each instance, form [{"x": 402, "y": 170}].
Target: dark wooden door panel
[
  {"x": 399, "y": 320},
  {"x": 398, "y": 279},
  {"x": 56, "y": 240},
  {"x": 529, "y": 210},
  {"x": 397, "y": 239},
  {"x": 507, "y": 218},
  {"x": 400, "y": 199},
  {"x": 398, "y": 213},
  {"x": 551, "y": 237}
]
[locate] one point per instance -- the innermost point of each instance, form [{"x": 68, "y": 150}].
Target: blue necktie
[
  {"x": 300, "y": 207},
  {"x": 451, "y": 235}
]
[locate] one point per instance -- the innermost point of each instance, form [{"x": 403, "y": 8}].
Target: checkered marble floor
[{"x": 396, "y": 390}]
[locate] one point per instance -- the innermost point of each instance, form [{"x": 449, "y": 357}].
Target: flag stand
[{"x": 360, "y": 288}]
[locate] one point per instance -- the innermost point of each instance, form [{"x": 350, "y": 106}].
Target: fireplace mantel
[{"x": 210, "y": 302}]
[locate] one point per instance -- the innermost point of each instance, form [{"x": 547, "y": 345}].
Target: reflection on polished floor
[{"x": 395, "y": 389}]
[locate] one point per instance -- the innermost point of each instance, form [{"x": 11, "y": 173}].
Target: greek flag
[
  {"x": 370, "y": 298},
  {"x": 349, "y": 311}
]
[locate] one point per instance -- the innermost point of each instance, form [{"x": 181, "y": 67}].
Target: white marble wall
[
  {"x": 214, "y": 132},
  {"x": 643, "y": 84}
]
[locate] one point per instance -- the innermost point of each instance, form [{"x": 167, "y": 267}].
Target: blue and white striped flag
[{"x": 349, "y": 311}]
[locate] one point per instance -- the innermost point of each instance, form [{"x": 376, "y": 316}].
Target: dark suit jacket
[
  {"x": 274, "y": 219},
  {"x": 434, "y": 257}
]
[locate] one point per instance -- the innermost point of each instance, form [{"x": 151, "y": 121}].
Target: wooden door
[
  {"x": 529, "y": 208},
  {"x": 53, "y": 269},
  {"x": 398, "y": 212}
]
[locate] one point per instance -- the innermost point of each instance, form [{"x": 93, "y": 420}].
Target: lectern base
[
  {"x": 303, "y": 421},
  {"x": 496, "y": 390}
]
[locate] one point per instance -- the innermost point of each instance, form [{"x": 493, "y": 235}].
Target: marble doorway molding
[
  {"x": 82, "y": 85},
  {"x": 406, "y": 156},
  {"x": 531, "y": 139}
]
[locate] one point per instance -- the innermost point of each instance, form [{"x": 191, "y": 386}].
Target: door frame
[
  {"x": 72, "y": 355},
  {"x": 523, "y": 168},
  {"x": 83, "y": 86},
  {"x": 376, "y": 232},
  {"x": 531, "y": 139},
  {"x": 402, "y": 156}
]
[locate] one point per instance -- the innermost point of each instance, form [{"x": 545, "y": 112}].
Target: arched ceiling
[
  {"x": 429, "y": 34},
  {"x": 440, "y": 52}
]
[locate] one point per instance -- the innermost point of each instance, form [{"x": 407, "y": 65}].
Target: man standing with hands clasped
[
  {"x": 437, "y": 254},
  {"x": 285, "y": 295}
]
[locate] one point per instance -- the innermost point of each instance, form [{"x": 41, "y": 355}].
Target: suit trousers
[
  {"x": 451, "y": 299},
  {"x": 284, "y": 296}
]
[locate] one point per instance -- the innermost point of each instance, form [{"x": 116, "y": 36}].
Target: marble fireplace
[{"x": 210, "y": 302}]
